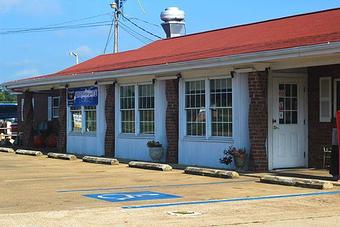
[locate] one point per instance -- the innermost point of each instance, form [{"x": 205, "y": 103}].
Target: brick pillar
[
  {"x": 27, "y": 124},
  {"x": 172, "y": 120},
  {"x": 110, "y": 121},
  {"x": 258, "y": 120},
  {"x": 62, "y": 122},
  {"x": 20, "y": 123}
]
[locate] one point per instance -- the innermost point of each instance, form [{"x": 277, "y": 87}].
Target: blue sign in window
[{"x": 131, "y": 196}]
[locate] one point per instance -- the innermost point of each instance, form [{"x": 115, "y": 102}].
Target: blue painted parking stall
[{"x": 131, "y": 196}]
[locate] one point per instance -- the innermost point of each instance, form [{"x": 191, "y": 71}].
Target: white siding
[
  {"x": 134, "y": 146},
  {"x": 207, "y": 152},
  {"x": 89, "y": 144}
]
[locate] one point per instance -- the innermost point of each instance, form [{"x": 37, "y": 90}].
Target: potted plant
[
  {"x": 238, "y": 155},
  {"x": 155, "y": 150}
]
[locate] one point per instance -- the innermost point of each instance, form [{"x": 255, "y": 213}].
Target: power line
[
  {"x": 61, "y": 23},
  {"x": 55, "y": 28},
  {"x": 109, "y": 36},
  {"x": 141, "y": 28},
  {"x": 133, "y": 35},
  {"x": 142, "y": 38},
  {"x": 144, "y": 21}
]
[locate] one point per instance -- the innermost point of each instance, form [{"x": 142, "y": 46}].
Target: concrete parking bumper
[
  {"x": 297, "y": 182},
  {"x": 99, "y": 160},
  {"x": 150, "y": 165},
  {"x": 29, "y": 152},
  {"x": 8, "y": 150},
  {"x": 211, "y": 172},
  {"x": 62, "y": 156}
]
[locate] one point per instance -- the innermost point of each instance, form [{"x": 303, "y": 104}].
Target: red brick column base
[
  {"x": 172, "y": 120},
  {"x": 258, "y": 120},
  {"x": 110, "y": 121}
]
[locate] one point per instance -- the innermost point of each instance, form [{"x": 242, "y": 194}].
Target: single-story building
[{"x": 270, "y": 87}]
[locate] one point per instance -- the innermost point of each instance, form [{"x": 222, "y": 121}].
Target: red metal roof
[{"x": 301, "y": 30}]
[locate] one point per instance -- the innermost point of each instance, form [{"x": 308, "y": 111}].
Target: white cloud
[
  {"x": 31, "y": 7},
  {"x": 26, "y": 73},
  {"x": 85, "y": 51}
]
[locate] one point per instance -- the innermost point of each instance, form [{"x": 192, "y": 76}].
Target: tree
[{"x": 5, "y": 96}]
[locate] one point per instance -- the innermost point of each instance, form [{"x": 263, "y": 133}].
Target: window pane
[
  {"x": 221, "y": 107},
  {"x": 288, "y": 104},
  {"x": 55, "y": 107},
  {"x": 195, "y": 107},
  {"x": 146, "y": 102},
  {"x": 90, "y": 118},
  {"x": 76, "y": 119},
  {"x": 127, "y": 108}
]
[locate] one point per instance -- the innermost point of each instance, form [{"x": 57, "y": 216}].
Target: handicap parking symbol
[{"x": 131, "y": 196}]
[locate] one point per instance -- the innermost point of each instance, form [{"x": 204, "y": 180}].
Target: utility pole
[{"x": 116, "y": 6}]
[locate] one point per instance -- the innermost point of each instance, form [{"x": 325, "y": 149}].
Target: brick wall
[
  {"x": 61, "y": 143},
  {"x": 172, "y": 120},
  {"x": 110, "y": 121},
  {"x": 319, "y": 133},
  {"x": 258, "y": 120}
]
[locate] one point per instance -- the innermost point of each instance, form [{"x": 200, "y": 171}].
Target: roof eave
[{"x": 262, "y": 56}]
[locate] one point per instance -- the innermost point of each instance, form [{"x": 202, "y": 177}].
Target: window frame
[
  {"x": 137, "y": 131},
  {"x": 71, "y": 119},
  {"x": 55, "y": 107},
  {"x": 324, "y": 99},
  {"x": 208, "y": 135},
  {"x": 120, "y": 110}
]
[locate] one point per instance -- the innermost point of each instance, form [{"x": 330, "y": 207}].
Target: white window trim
[
  {"x": 137, "y": 122},
  {"x": 208, "y": 135},
  {"x": 335, "y": 95},
  {"x": 53, "y": 107},
  {"x": 329, "y": 99}
]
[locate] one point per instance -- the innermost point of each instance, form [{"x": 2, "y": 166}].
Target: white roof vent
[{"x": 173, "y": 24}]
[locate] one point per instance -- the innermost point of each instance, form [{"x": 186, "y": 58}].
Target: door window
[{"x": 288, "y": 104}]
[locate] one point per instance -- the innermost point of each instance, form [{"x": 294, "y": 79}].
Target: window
[
  {"x": 195, "y": 107},
  {"x": 127, "y": 108},
  {"x": 76, "y": 117},
  {"x": 288, "y": 104},
  {"x": 55, "y": 107},
  {"x": 90, "y": 118},
  {"x": 146, "y": 105},
  {"x": 213, "y": 118},
  {"x": 137, "y": 108},
  {"x": 221, "y": 107},
  {"x": 325, "y": 99}
]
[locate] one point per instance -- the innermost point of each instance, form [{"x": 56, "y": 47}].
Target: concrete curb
[
  {"x": 99, "y": 160},
  {"x": 29, "y": 152},
  {"x": 211, "y": 172},
  {"x": 150, "y": 165},
  {"x": 62, "y": 156},
  {"x": 297, "y": 182},
  {"x": 8, "y": 150}
]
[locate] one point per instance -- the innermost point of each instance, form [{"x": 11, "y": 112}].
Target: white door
[{"x": 288, "y": 123}]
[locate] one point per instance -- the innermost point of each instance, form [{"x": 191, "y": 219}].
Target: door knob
[{"x": 275, "y": 127}]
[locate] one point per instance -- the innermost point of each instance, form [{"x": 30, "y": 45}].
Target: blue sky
[{"x": 31, "y": 54}]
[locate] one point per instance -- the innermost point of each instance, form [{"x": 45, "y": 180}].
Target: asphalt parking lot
[{"x": 38, "y": 191}]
